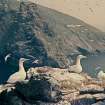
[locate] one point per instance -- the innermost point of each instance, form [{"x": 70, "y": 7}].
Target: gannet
[
  {"x": 36, "y": 61},
  {"x": 7, "y": 56},
  {"x": 101, "y": 75},
  {"x": 20, "y": 75},
  {"x": 77, "y": 67}
]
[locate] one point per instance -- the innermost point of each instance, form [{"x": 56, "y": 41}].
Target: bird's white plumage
[
  {"x": 101, "y": 75},
  {"x": 36, "y": 61},
  {"x": 77, "y": 67},
  {"x": 20, "y": 75},
  {"x": 7, "y": 56},
  {"x": 16, "y": 77}
]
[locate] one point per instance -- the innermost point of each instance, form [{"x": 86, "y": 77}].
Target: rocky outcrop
[
  {"x": 38, "y": 88},
  {"x": 57, "y": 87}
]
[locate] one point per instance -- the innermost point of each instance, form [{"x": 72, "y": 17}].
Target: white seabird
[
  {"x": 36, "y": 61},
  {"x": 77, "y": 67},
  {"x": 7, "y": 56},
  {"x": 19, "y": 75},
  {"x": 101, "y": 75}
]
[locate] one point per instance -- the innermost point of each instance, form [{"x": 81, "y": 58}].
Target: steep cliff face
[{"x": 38, "y": 32}]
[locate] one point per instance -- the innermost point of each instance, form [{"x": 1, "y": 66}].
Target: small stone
[{"x": 91, "y": 90}]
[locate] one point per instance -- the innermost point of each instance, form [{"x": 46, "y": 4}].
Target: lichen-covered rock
[
  {"x": 65, "y": 79},
  {"x": 38, "y": 70}
]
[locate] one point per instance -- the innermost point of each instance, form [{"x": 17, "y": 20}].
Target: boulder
[
  {"x": 39, "y": 88},
  {"x": 10, "y": 98}
]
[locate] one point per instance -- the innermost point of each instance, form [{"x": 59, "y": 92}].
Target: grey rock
[
  {"x": 91, "y": 90},
  {"x": 10, "y": 98},
  {"x": 40, "y": 89},
  {"x": 84, "y": 100},
  {"x": 99, "y": 97}
]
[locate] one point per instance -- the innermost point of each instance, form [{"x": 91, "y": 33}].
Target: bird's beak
[
  {"x": 26, "y": 59},
  {"x": 84, "y": 56}
]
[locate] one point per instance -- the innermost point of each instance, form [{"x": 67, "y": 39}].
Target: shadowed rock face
[
  {"x": 38, "y": 88},
  {"x": 38, "y": 32}
]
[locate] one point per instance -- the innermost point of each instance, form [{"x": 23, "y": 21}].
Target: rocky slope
[
  {"x": 89, "y": 11},
  {"x": 37, "y": 32}
]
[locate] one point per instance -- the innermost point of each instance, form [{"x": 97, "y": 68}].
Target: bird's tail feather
[{"x": 6, "y": 86}]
